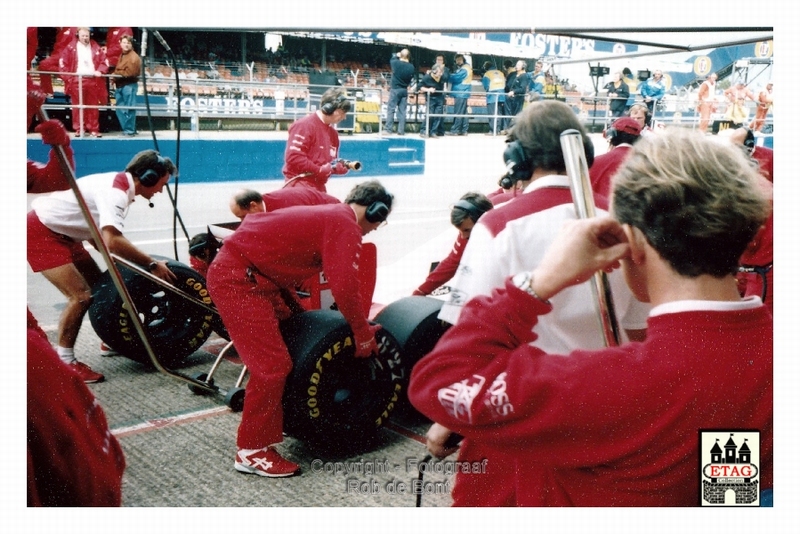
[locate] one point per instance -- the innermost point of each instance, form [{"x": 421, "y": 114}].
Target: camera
[{"x": 352, "y": 165}]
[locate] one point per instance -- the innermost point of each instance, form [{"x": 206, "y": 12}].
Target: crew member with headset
[
  {"x": 516, "y": 234},
  {"x": 57, "y": 229},
  {"x": 252, "y": 282},
  {"x": 463, "y": 215},
  {"x": 312, "y": 150}
]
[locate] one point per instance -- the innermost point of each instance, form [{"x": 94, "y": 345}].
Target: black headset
[
  {"x": 329, "y": 107},
  {"x": 376, "y": 212},
  {"x": 749, "y": 139},
  {"x": 152, "y": 175},
  {"x": 472, "y": 210},
  {"x": 518, "y": 165}
]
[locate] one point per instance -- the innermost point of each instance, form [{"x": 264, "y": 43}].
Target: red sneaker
[
  {"x": 105, "y": 350},
  {"x": 266, "y": 463},
  {"x": 86, "y": 373}
]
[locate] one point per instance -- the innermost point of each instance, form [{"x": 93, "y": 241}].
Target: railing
[{"x": 203, "y": 98}]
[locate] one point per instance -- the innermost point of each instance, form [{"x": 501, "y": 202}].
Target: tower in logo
[{"x": 730, "y": 473}]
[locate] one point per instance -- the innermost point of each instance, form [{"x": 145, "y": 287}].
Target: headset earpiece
[
  {"x": 518, "y": 166},
  {"x": 151, "y": 176},
  {"x": 329, "y": 107},
  {"x": 610, "y": 134},
  {"x": 376, "y": 212}
]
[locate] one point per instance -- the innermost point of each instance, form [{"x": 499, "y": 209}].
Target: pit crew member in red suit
[
  {"x": 624, "y": 132},
  {"x": 756, "y": 275},
  {"x": 72, "y": 457},
  {"x": 247, "y": 201},
  {"x": 56, "y": 231},
  {"x": 464, "y": 214},
  {"x": 86, "y": 58},
  {"x": 619, "y": 426},
  {"x": 515, "y": 235},
  {"x": 252, "y": 280},
  {"x": 64, "y": 37},
  {"x": 46, "y": 177},
  {"x": 312, "y": 150}
]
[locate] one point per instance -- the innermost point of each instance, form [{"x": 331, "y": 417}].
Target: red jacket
[
  {"x": 614, "y": 427},
  {"x": 73, "y": 459},
  {"x": 311, "y": 145},
  {"x": 290, "y": 245},
  {"x": 604, "y": 168},
  {"x": 296, "y": 196},
  {"x": 445, "y": 270},
  {"x": 68, "y": 62}
]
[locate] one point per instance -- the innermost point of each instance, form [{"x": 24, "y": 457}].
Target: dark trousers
[
  {"x": 513, "y": 105},
  {"x": 435, "y": 107},
  {"x": 398, "y": 98},
  {"x": 495, "y": 112},
  {"x": 461, "y": 121}
]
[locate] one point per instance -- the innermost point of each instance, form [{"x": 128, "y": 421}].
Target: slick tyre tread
[
  {"x": 333, "y": 399},
  {"x": 175, "y": 326}
]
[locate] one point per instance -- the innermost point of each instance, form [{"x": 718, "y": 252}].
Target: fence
[{"x": 231, "y": 103}]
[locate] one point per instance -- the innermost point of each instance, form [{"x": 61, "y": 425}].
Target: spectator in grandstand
[
  {"x": 126, "y": 81},
  {"x": 736, "y": 95},
  {"x": 517, "y": 84},
  {"x": 617, "y": 95},
  {"x": 707, "y": 101},
  {"x": 113, "y": 45},
  {"x": 252, "y": 282},
  {"x": 633, "y": 86},
  {"x": 627, "y": 418},
  {"x": 652, "y": 90},
  {"x": 86, "y": 63},
  {"x": 463, "y": 215},
  {"x": 312, "y": 150},
  {"x": 57, "y": 230},
  {"x": 494, "y": 83},
  {"x": 432, "y": 84},
  {"x": 537, "y": 82},
  {"x": 64, "y": 37},
  {"x": 247, "y": 201},
  {"x": 461, "y": 87},
  {"x": 402, "y": 76},
  {"x": 763, "y": 107},
  {"x": 514, "y": 235},
  {"x": 624, "y": 132}
]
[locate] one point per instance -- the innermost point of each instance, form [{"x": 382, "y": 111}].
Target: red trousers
[
  {"x": 94, "y": 94},
  {"x": 251, "y": 307}
]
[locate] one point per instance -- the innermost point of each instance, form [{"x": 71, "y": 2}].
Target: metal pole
[
  {"x": 581, "y": 188},
  {"x": 116, "y": 277}
]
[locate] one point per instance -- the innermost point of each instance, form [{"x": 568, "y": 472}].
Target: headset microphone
[{"x": 150, "y": 203}]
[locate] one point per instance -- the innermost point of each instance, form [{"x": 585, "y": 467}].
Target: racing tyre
[
  {"x": 414, "y": 324},
  {"x": 333, "y": 400},
  {"x": 176, "y": 327}
]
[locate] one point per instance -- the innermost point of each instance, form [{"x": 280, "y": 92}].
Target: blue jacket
[
  {"x": 652, "y": 89},
  {"x": 494, "y": 83},
  {"x": 461, "y": 81}
]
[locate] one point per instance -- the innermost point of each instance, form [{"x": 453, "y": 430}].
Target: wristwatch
[
  {"x": 152, "y": 265},
  {"x": 523, "y": 281}
]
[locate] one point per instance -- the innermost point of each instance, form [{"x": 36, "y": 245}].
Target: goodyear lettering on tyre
[{"x": 315, "y": 377}]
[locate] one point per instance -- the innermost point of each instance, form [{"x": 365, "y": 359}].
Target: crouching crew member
[
  {"x": 252, "y": 280},
  {"x": 57, "y": 229},
  {"x": 247, "y": 201},
  {"x": 463, "y": 215},
  {"x": 624, "y": 419}
]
